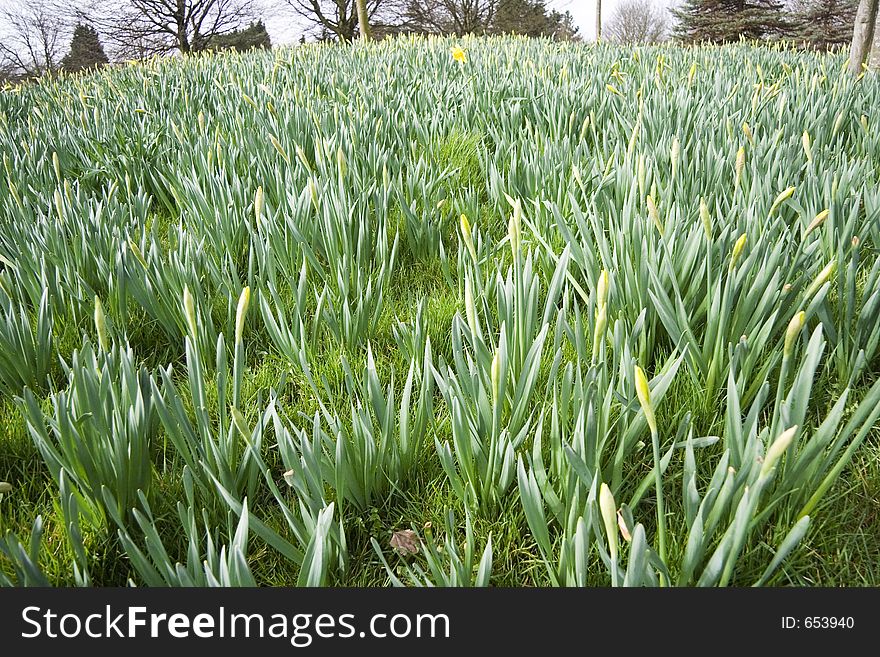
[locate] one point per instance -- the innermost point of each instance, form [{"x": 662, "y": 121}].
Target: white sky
[{"x": 284, "y": 28}]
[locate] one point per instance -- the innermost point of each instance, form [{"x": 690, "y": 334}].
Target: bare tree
[
  {"x": 135, "y": 28},
  {"x": 34, "y": 35},
  {"x": 637, "y": 21},
  {"x": 458, "y": 17},
  {"x": 338, "y": 19}
]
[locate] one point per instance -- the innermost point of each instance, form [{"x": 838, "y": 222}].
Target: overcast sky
[{"x": 284, "y": 29}]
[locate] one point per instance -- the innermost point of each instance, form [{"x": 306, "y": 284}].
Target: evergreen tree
[
  {"x": 723, "y": 21},
  {"x": 824, "y": 24},
  {"x": 253, "y": 36},
  {"x": 86, "y": 50},
  {"x": 532, "y": 18}
]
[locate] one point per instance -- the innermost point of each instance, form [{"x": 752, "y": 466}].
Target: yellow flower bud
[
  {"x": 817, "y": 221},
  {"x": 279, "y": 148},
  {"x": 747, "y": 131},
  {"x": 674, "y": 154},
  {"x": 513, "y": 228},
  {"x": 740, "y": 165},
  {"x": 258, "y": 203},
  {"x": 467, "y": 236},
  {"x": 101, "y": 325},
  {"x": 241, "y": 313},
  {"x": 792, "y": 332},
  {"x": 189, "y": 309},
  {"x": 783, "y": 196},
  {"x": 608, "y": 509},
  {"x": 808, "y": 149},
  {"x": 737, "y": 251},
  {"x": 777, "y": 449},
  {"x": 602, "y": 288},
  {"x": 820, "y": 279},
  {"x": 654, "y": 215},
  {"x": 341, "y": 164},
  {"x": 643, "y": 391},
  {"x": 706, "y": 218}
]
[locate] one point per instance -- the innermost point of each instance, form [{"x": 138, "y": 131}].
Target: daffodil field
[{"x": 427, "y": 312}]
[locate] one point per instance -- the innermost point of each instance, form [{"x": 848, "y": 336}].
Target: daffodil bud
[
  {"x": 624, "y": 530},
  {"x": 783, "y": 196},
  {"x": 189, "y": 309},
  {"x": 608, "y": 509},
  {"x": 56, "y": 164},
  {"x": 643, "y": 391},
  {"x": 602, "y": 288},
  {"x": 654, "y": 215},
  {"x": 808, "y": 149},
  {"x": 740, "y": 165},
  {"x": 838, "y": 121},
  {"x": 737, "y": 251},
  {"x": 513, "y": 228},
  {"x": 706, "y": 218},
  {"x": 674, "y": 154},
  {"x": 747, "y": 131},
  {"x": 777, "y": 449},
  {"x": 467, "y": 237},
  {"x": 201, "y": 119},
  {"x": 301, "y": 156},
  {"x": 241, "y": 313},
  {"x": 341, "y": 164},
  {"x": 101, "y": 325},
  {"x": 817, "y": 221},
  {"x": 792, "y": 332},
  {"x": 259, "y": 203},
  {"x": 820, "y": 279}
]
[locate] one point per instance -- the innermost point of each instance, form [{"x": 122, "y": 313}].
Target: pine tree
[
  {"x": 86, "y": 50},
  {"x": 532, "y": 18},
  {"x": 723, "y": 21},
  {"x": 824, "y": 24},
  {"x": 253, "y": 36}
]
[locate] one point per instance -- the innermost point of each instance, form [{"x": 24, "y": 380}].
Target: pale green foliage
[{"x": 329, "y": 283}]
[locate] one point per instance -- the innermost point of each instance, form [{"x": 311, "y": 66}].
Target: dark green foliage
[
  {"x": 253, "y": 36},
  {"x": 532, "y": 18},
  {"x": 824, "y": 24},
  {"x": 724, "y": 21},
  {"x": 86, "y": 50}
]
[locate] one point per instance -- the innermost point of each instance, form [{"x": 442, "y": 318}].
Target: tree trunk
[
  {"x": 598, "y": 20},
  {"x": 863, "y": 34},
  {"x": 363, "y": 20},
  {"x": 874, "y": 57}
]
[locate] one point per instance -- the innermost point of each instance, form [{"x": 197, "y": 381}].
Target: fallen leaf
[{"x": 405, "y": 542}]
